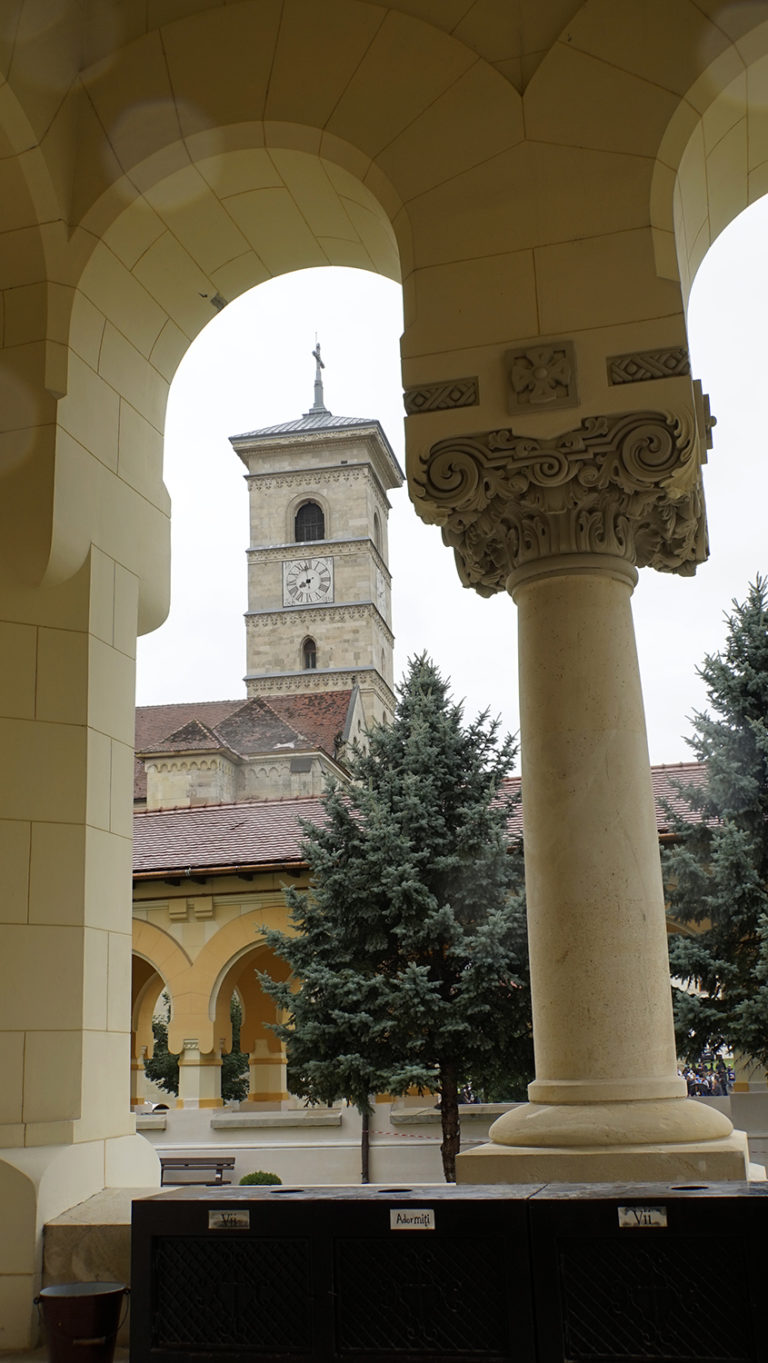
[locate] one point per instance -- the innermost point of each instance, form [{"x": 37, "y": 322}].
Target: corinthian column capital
[{"x": 627, "y": 485}]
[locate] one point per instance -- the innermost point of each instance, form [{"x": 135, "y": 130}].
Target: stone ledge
[
  {"x": 236, "y": 1121},
  {"x": 151, "y": 1121},
  {"x": 426, "y": 1116}
]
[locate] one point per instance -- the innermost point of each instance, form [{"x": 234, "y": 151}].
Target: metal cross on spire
[{"x": 318, "y": 406}]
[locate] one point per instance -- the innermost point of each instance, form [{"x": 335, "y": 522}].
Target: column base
[
  {"x": 721, "y": 1161},
  {"x": 657, "y": 1141}
]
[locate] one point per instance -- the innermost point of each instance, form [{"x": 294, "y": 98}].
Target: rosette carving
[{"x": 626, "y": 485}]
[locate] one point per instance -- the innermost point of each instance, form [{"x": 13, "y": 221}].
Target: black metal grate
[
  {"x": 247, "y": 1294},
  {"x": 401, "y": 1295},
  {"x": 654, "y": 1301}
]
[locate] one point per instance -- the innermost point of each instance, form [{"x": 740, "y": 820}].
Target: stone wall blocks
[
  {"x": 428, "y": 63},
  {"x": 729, "y": 108},
  {"x": 476, "y": 119},
  {"x": 640, "y": 109},
  {"x": 299, "y": 85},
  {"x": 599, "y": 282},
  {"x": 119, "y": 293},
  {"x": 219, "y": 63},
  {"x": 727, "y": 178},
  {"x": 134, "y": 100},
  {"x": 474, "y": 302},
  {"x": 659, "y": 43}
]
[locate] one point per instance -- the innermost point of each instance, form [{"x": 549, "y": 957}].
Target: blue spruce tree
[
  {"x": 717, "y": 872},
  {"x": 410, "y": 947}
]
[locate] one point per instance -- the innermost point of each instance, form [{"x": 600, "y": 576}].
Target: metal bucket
[{"x": 82, "y": 1320}]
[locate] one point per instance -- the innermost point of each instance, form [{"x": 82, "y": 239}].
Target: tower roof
[{"x": 319, "y": 419}]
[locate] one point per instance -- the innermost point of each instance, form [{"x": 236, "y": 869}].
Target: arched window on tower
[
  {"x": 377, "y": 530},
  {"x": 309, "y": 654},
  {"x": 309, "y": 523}
]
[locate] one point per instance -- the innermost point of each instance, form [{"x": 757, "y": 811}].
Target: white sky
[{"x": 252, "y": 366}]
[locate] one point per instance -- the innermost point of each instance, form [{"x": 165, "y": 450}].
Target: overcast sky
[{"x": 252, "y": 366}]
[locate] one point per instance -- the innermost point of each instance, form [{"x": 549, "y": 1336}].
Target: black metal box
[
  {"x": 363, "y": 1274},
  {"x": 650, "y": 1273}
]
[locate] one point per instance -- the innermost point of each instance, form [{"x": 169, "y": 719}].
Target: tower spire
[{"x": 318, "y": 407}]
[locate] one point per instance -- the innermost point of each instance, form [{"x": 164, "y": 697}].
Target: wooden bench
[{"x": 198, "y": 1164}]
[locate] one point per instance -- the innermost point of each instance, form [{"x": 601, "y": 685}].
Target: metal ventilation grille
[
  {"x": 231, "y": 1294},
  {"x": 402, "y": 1296},
  {"x": 655, "y": 1301}
]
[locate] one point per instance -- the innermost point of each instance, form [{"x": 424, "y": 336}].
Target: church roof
[
  {"x": 318, "y": 418},
  {"x": 311, "y": 421},
  {"x": 221, "y": 837},
  {"x": 301, "y": 720},
  {"x": 268, "y": 832},
  {"x": 191, "y": 737}
]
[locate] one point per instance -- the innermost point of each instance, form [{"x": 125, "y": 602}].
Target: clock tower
[{"x": 319, "y": 590}]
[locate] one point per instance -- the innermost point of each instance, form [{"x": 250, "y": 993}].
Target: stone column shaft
[{"x": 597, "y": 935}]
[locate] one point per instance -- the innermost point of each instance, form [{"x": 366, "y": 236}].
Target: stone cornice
[
  {"x": 321, "y": 477},
  {"x": 269, "y": 553},
  {"x": 307, "y": 616},
  {"x": 626, "y": 485},
  {"x": 341, "y": 679}
]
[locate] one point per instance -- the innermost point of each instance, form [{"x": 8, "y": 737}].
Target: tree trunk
[
  {"x": 365, "y": 1145},
  {"x": 449, "y": 1117}
]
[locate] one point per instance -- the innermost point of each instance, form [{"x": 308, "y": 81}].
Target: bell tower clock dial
[
  {"x": 307, "y": 581},
  {"x": 319, "y": 602}
]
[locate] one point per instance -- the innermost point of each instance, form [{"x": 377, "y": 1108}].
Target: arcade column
[{"x": 563, "y": 524}]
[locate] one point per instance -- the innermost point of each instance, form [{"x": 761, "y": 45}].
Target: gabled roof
[
  {"x": 257, "y": 727},
  {"x": 300, "y": 721},
  {"x": 193, "y": 736}
]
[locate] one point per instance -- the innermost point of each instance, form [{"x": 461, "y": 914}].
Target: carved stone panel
[
  {"x": 628, "y": 485},
  {"x": 542, "y": 377},
  {"x": 639, "y": 366},
  {"x": 438, "y": 397}
]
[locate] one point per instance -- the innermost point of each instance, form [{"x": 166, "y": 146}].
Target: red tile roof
[
  {"x": 664, "y": 780},
  {"x": 261, "y": 833},
  {"x": 302, "y": 720},
  {"x": 156, "y": 722},
  {"x": 267, "y": 832}
]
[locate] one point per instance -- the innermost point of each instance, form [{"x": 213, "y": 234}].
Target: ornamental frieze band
[{"x": 628, "y": 485}]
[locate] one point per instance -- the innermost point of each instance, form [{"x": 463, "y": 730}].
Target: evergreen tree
[
  {"x": 410, "y": 948},
  {"x": 235, "y": 1080},
  {"x": 162, "y": 1067},
  {"x": 717, "y": 871}
]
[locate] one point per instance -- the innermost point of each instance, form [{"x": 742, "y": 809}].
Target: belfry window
[
  {"x": 309, "y": 523},
  {"x": 309, "y": 653}
]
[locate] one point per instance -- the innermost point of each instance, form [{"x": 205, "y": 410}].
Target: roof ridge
[
  {"x": 299, "y": 732},
  {"x": 228, "y": 804}
]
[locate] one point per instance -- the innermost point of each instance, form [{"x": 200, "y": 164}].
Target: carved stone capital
[{"x": 626, "y": 485}]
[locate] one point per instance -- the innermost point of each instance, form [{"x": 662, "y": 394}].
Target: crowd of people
[{"x": 708, "y": 1082}]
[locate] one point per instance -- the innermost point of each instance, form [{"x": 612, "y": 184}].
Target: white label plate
[
  {"x": 229, "y": 1220},
  {"x": 640, "y": 1218},
  {"x": 411, "y": 1218}
]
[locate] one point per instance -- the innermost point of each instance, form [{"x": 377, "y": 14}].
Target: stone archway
[{"x": 512, "y": 161}]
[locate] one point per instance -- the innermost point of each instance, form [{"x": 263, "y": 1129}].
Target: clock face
[{"x": 307, "y": 581}]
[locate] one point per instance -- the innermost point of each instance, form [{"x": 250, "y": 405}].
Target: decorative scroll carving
[
  {"x": 642, "y": 365},
  {"x": 436, "y": 397},
  {"x": 627, "y": 485},
  {"x": 542, "y": 377}
]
